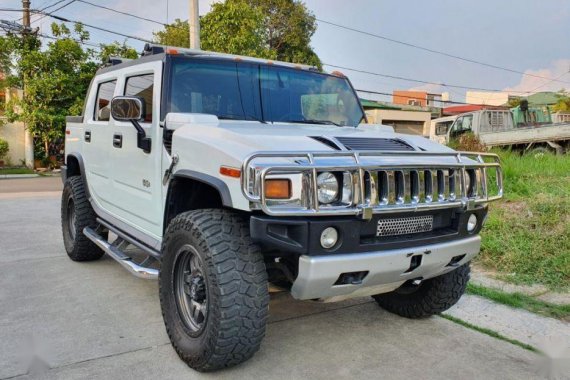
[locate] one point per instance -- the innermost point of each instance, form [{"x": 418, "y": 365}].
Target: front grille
[
  {"x": 411, "y": 186},
  {"x": 360, "y": 143},
  {"x": 404, "y": 226}
]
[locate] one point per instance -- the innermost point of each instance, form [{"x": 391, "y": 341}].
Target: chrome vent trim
[
  {"x": 380, "y": 144},
  {"x": 404, "y": 226}
]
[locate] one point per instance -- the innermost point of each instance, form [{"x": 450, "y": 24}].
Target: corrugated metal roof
[{"x": 368, "y": 104}]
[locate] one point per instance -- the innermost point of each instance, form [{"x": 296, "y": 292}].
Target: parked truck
[
  {"x": 519, "y": 129},
  {"x": 228, "y": 173}
]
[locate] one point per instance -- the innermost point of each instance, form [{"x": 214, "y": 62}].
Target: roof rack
[
  {"x": 112, "y": 61},
  {"x": 151, "y": 49}
]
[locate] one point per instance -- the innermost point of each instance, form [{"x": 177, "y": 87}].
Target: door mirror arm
[
  {"x": 131, "y": 108},
  {"x": 143, "y": 142}
]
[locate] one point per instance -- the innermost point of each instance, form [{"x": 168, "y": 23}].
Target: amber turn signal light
[
  {"x": 277, "y": 189},
  {"x": 230, "y": 172}
]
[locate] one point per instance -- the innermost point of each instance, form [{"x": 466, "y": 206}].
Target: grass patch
[
  {"x": 521, "y": 301},
  {"x": 489, "y": 332},
  {"x": 527, "y": 234},
  {"x": 5, "y": 171}
]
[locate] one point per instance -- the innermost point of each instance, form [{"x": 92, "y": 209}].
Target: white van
[{"x": 439, "y": 128}]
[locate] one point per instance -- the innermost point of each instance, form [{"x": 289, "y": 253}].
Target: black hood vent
[
  {"x": 327, "y": 142},
  {"x": 365, "y": 143}
]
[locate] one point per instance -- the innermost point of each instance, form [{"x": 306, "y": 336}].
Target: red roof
[{"x": 456, "y": 110}]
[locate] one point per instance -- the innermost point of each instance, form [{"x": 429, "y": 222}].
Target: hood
[{"x": 241, "y": 138}]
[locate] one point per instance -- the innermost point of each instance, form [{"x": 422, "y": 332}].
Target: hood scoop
[
  {"x": 382, "y": 144},
  {"x": 328, "y": 142}
]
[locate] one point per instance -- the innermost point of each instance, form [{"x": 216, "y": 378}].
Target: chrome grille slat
[
  {"x": 404, "y": 226},
  {"x": 381, "y": 183}
]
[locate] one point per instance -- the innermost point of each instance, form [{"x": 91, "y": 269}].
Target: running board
[{"x": 114, "y": 251}]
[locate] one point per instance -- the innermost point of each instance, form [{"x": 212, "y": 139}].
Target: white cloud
[{"x": 557, "y": 69}]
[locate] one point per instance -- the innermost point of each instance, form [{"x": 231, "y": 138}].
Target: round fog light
[
  {"x": 329, "y": 237},
  {"x": 472, "y": 223}
]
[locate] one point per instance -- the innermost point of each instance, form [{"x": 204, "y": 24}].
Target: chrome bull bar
[{"x": 383, "y": 182}]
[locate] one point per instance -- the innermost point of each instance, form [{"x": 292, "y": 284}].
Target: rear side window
[
  {"x": 142, "y": 86},
  {"x": 105, "y": 93}
]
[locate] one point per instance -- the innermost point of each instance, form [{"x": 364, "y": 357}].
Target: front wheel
[
  {"x": 213, "y": 289},
  {"x": 431, "y": 297}
]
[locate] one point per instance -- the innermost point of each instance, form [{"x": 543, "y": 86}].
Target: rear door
[{"x": 136, "y": 176}]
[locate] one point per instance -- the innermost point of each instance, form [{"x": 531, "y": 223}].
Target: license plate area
[{"x": 404, "y": 226}]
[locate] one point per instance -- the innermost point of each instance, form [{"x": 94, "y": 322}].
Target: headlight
[{"x": 327, "y": 187}]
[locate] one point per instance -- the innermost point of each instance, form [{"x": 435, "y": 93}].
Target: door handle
[
  {"x": 87, "y": 136},
  {"x": 118, "y": 140}
]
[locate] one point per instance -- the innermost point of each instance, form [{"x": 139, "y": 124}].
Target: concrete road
[{"x": 60, "y": 319}]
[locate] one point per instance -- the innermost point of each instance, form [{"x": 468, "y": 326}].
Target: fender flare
[
  {"x": 65, "y": 171},
  {"x": 216, "y": 183}
]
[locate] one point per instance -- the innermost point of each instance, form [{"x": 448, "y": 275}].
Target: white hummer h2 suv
[{"x": 228, "y": 173}]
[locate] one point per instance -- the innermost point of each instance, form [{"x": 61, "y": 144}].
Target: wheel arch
[
  {"x": 190, "y": 190},
  {"x": 74, "y": 166}
]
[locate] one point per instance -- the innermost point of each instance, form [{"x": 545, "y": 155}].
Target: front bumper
[{"x": 319, "y": 276}]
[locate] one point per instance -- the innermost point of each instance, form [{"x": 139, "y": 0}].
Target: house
[
  {"x": 490, "y": 98},
  {"x": 416, "y": 98},
  {"x": 415, "y": 121}
]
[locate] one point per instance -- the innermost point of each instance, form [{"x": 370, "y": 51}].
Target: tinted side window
[
  {"x": 142, "y": 86},
  {"x": 105, "y": 93}
]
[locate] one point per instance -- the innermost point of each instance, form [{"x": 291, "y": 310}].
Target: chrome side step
[{"x": 115, "y": 252}]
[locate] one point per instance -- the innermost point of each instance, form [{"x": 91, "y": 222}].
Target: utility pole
[
  {"x": 28, "y": 139},
  {"x": 194, "y": 25}
]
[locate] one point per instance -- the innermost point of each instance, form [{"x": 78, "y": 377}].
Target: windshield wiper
[
  {"x": 236, "y": 117},
  {"x": 312, "y": 121}
]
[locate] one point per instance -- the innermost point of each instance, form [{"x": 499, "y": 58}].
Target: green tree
[
  {"x": 55, "y": 79},
  {"x": 235, "y": 27},
  {"x": 563, "y": 103},
  {"x": 273, "y": 29},
  {"x": 175, "y": 34},
  {"x": 288, "y": 26},
  {"x": 116, "y": 49}
]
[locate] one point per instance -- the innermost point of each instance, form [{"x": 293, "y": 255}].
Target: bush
[
  {"x": 467, "y": 142},
  {"x": 4, "y": 148}
]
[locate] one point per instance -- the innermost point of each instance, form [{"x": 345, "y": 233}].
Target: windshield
[{"x": 248, "y": 91}]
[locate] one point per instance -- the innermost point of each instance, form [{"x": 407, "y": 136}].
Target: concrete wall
[
  {"x": 487, "y": 98},
  {"x": 421, "y": 119},
  {"x": 14, "y": 133}
]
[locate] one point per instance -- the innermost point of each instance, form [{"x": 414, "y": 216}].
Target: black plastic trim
[
  {"x": 216, "y": 183},
  {"x": 301, "y": 235}
]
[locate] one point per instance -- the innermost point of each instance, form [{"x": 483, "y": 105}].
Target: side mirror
[
  {"x": 127, "y": 108},
  {"x": 131, "y": 108}
]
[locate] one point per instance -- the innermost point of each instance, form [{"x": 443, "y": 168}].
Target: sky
[{"x": 530, "y": 36}]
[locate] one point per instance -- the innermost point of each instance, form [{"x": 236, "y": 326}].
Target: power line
[
  {"x": 122, "y": 13},
  {"x": 413, "y": 80},
  {"x": 433, "y": 50},
  {"x": 544, "y": 84},
  {"x": 55, "y": 10},
  {"x": 97, "y": 27}
]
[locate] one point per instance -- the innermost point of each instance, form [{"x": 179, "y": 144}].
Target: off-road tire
[
  {"x": 433, "y": 296},
  {"x": 77, "y": 245},
  {"x": 236, "y": 288}
]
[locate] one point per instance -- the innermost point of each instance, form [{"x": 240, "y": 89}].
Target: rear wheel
[
  {"x": 76, "y": 214},
  {"x": 431, "y": 297},
  {"x": 213, "y": 289}
]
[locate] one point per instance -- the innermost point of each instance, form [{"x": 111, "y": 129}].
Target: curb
[{"x": 15, "y": 176}]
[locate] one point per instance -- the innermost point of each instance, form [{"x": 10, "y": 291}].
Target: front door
[{"x": 135, "y": 175}]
